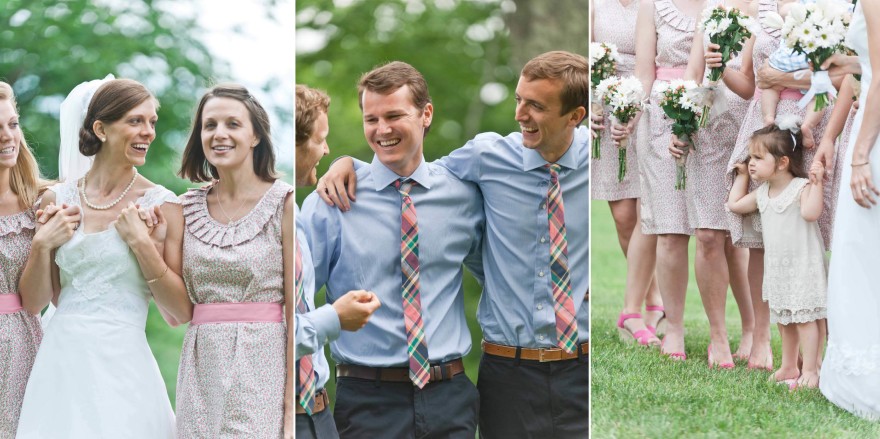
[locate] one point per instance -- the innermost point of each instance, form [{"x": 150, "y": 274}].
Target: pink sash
[
  {"x": 246, "y": 312},
  {"x": 668, "y": 73},
  {"x": 10, "y": 303}
]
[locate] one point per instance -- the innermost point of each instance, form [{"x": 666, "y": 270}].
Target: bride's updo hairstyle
[
  {"x": 110, "y": 103},
  {"x": 195, "y": 165}
]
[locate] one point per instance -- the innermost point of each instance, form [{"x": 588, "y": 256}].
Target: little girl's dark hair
[{"x": 783, "y": 143}]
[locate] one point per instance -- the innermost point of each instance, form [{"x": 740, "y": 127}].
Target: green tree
[{"x": 51, "y": 46}]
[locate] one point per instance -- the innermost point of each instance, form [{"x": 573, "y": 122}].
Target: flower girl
[{"x": 795, "y": 276}]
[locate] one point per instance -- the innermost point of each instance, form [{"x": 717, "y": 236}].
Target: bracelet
[
  {"x": 859, "y": 164},
  {"x": 151, "y": 281}
]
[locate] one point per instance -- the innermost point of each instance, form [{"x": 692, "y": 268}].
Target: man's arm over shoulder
[{"x": 466, "y": 162}]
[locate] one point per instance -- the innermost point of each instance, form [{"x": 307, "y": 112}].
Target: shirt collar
[
  {"x": 533, "y": 160},
  {"x": 382, "y": 176}
]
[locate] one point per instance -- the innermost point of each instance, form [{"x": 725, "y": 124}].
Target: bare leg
[
  {"x": 672, "y": 277},
  {"x": 712, "y": 280},
  {"x": 640, "y": 253},
  {"x": 761, "y": 356},
  {"x": 789, "y": 368},
  {"x": 808, "y": 334},
  {"x": 738, "y": 269},
  {"x": 626, "y": 219},
  {"x": 822, "y": 326}
]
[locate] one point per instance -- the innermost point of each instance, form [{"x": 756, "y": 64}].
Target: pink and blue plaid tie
[
  {"x": 566, "y": 322},
  {"x": 417, "y": 345},
  {"x": 306, "y": 394}
]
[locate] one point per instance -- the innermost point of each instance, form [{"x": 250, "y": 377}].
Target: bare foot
[
  {"x": 785, "y": 375},
  {"x": 807, "y": 136},
  {"x": 673, "y": 345},
  {"x": 719, "y": 354},
  {"x": 761, "y": 357},
  {"x": 809, "y": 380},
  {"x": 745, "y": 347}
]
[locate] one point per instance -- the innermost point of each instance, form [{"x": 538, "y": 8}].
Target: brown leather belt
[
  {"x": 399, "y": 374},
  {"x": 322, "y": 401},
  {"x": 541, "y": 355}
]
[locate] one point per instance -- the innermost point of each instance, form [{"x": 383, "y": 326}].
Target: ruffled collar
[
  {"x": 673, "y": 17},
  {"x": 208, "y": 230},
  {"x": 17, "y": 222}
]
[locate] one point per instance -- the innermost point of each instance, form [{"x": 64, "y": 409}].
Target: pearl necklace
[{"x": 82, "y": 190}]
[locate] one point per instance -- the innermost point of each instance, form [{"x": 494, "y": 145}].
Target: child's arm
[
  {"x": 811, "y": 197},
  {"x": 740, "y": 200}
]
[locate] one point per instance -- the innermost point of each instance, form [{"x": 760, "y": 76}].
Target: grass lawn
[{"x": 638, "y": 393}]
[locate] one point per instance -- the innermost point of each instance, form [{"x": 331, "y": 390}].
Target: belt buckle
[{"x": 541, "y": 358}]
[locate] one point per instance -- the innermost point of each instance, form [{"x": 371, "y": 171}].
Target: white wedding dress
[
  {"x": 94, "y": 376},
  {"x": 850, "y": 376}
]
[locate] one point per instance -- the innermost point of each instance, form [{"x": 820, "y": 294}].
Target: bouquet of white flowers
[
  {"x": 729, "y": 29},
  {"x": 817, "y": 30},
  {"x": 678, "y": 101},
  {"x": 603, "y": 64},
  {"x": 623, "y": 96}
]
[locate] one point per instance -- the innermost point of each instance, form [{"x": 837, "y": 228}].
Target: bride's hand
[
  {"x": 59, "y": 223},
  {"x": 131, "y": 227},
  {"x": 862, "y": 186},
  {"x": 157, "y": 224}
]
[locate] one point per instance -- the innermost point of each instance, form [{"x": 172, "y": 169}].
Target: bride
[
  {"x": 850, "y": 376},
  {"x": 94, "y": 375}
]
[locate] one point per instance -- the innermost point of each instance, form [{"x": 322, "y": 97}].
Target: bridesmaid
[
  {"x": 20, "y": 331},
  {"x": 236, "y": 368},
  {"x": 617, "y": 26},
  {"x": 663, "y": 41},
  {"x": 718, "y": 263}
]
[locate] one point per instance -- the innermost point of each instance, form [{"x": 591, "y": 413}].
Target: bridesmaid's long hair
[{"x": 25, "y": 178}]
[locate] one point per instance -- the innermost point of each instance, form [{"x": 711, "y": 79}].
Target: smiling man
[
  {"x": 534, "y": 312},
  {"x": 413, "y": 228}
]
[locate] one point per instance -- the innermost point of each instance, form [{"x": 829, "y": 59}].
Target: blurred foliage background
[
  {"x": 470, "y": 52},
  {"x": 47, "y": 47}
]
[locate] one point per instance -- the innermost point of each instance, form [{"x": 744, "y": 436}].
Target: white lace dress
[
  {"x": 94, "y": 375},
  {"x": 794, "y": 257},
  {"x": 851, "y": 369}
]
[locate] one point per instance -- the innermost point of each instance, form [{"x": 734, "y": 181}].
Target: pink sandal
[
  {"x": 661, "y": 324},
  {"x": 642, "y": 336}
]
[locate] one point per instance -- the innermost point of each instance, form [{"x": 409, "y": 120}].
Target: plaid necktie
[
  {"x": 306, "y": 394},
  {"x": 417, "y": 345},
  {"x": 566, "y": 323}
]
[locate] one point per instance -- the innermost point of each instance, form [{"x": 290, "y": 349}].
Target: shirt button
[
  {"x": 543, "y": 206},
  {"x": 541, "y": 274},
  {"x": 540, "y": 306},
  {"x": 543, "y": 239},
  {"x": 540, "y": 337}
]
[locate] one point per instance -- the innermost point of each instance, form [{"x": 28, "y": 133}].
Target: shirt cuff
[{"x": 326, "y": 323}]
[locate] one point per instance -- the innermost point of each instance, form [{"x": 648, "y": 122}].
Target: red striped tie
[{"x": 566, "y": 323}]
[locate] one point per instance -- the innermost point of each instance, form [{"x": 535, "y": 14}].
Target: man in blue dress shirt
[
  {"x": 533, "y": 379},
  {"x": 415, "y": 225},
  {"x": 314, "y": 327}
]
